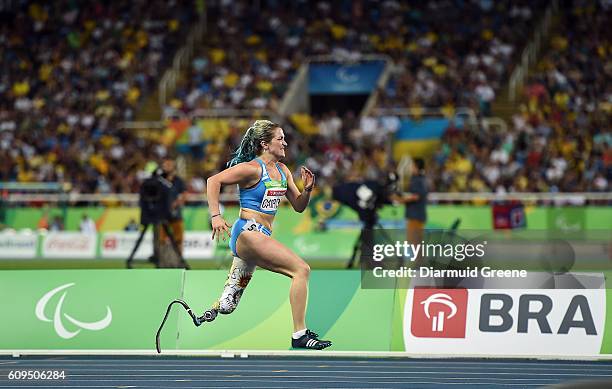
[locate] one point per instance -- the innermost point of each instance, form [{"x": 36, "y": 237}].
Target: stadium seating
[
  {"x": 249, "y": 60},
  {"x": 560, "y": 139},
  {"x": 72, "y": 72}
]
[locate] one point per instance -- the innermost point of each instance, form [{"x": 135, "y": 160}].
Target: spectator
[
  {"x": 72, "y": 71},
  {"x": 131, "y": 226},
  {"x": 87, "y": 225},
  {"x": 196, "y": 144},
  {"x": 416, "y": 202},
  {"x": 56, "y": 224},
  {"x": 178, "y": 199}
]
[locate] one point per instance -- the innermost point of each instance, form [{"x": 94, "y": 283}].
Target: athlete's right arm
[{"x": 243, "y": 173}]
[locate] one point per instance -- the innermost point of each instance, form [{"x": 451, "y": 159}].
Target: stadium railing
[
  {"x": 465, "y": 113},
  {"x": 530, "y": 53},
  {"x": 568, "y": 198},
  {"x": 167, "y": 83}
]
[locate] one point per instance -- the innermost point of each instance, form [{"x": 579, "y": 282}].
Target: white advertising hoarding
[
  {"x": 69, "y": 245},
  {"x": 196, "y": 245},
  {"x": 509, "y": 322},
  {"x": 18, "y": 245}
]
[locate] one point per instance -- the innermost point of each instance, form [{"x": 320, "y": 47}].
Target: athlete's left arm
[{"x": 299, "y": 200}]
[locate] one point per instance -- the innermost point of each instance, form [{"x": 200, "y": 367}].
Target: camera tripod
[
  {"x": 170, "y": 235},
  {"x": 365, "y": 238}
]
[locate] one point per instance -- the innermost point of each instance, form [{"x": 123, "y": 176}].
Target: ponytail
[
  {"x": 250, "y": 145},
  {"x": 245, "y": 151}
]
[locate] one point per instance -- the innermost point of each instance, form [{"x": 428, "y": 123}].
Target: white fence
[{"x": 15, "y": 199}]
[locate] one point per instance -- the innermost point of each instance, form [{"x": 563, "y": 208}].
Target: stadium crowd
[
  {"x": 560, "y": 140},
  {"x": 71, "y": 72},
  {"x": 455, "y": 54},
  {"x": 253, "y": 53},
  {"x": 444, "y": 52}
]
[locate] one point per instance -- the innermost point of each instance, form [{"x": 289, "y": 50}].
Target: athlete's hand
[
  {"x": 308, "y": 178},
  {"x": 220, "y": 228}
]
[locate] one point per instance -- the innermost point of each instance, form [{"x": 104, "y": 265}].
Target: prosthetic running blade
[{"x": 209, "y": 315}]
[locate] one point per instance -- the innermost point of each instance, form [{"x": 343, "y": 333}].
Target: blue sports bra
[{"x": 267, "y": 194}]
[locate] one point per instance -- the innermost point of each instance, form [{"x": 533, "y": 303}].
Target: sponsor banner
[
  {"x": 571, "y": 219},
  {"x": 504, "y": 322},
  {"x": 196, "y": 245},
  {"x": 74, "y": 245},
  {"x": 606, "y": 344},
  {"x": 120, "y": 245},
  {"x": 354, "y": 319},
  {"x": 121, "y": 309},
  {"x": 21, "y": 245},
  {"x": 318, "y": 245},
  {"x": 87, "y": 309}
]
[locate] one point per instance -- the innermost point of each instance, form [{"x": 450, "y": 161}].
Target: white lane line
[
  {"x": 259, "y": 359},
  {"x": 300, "y": 358},
  {"x": 238, "y": 364},
  {"x": 150, "y": 352},
  {"x": 62, "y": 386},
  {"x": 204, "y": 377},
  {"x": 340, "y": 381},
  {"x": 348, "y": 372},
  {"x": 269, "y": 387}
]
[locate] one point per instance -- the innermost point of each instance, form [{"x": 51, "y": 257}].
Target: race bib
[
  {"x": 252, "y": 225},
  {"x": 273, "y": 195}
]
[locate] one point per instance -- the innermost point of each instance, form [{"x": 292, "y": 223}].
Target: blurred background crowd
[{"x": 73, "y": 72}]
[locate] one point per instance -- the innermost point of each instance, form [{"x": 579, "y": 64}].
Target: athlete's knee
[{"x": 302, "y": 270}]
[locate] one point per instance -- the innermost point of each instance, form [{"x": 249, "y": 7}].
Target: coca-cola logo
[{"x": 72, "y": 243}]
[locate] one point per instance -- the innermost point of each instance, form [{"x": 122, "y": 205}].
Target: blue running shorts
[{"x": 245, "y": 225}]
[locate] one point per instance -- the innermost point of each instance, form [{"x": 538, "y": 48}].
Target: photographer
[
  {"x": 416, "y": 202},
  {"x": 177, "y": 201},
  {"x": 366, "y": 198}
]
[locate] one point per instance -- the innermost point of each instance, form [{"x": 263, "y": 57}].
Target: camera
[
  {"x": 366, "y": 197},
  {"x": 155, "y": 199}
]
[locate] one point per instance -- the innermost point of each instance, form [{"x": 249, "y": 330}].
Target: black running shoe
[{"x": 310, "y": 340}]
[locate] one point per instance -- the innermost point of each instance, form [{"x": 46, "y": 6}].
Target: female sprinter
[{"x": 262, "y": 182}]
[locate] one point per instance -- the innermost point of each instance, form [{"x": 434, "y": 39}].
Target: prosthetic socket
[{"x": 237, "y": 280}]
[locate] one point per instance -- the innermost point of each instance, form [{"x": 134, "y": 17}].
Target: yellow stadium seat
[{"x": 304, "y": 123}]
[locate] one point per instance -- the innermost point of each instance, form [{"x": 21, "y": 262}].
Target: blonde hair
[{"x": 250, "y": 145}]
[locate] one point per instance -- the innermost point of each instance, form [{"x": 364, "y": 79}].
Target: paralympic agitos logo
[{"x": 59, "y": 315}]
